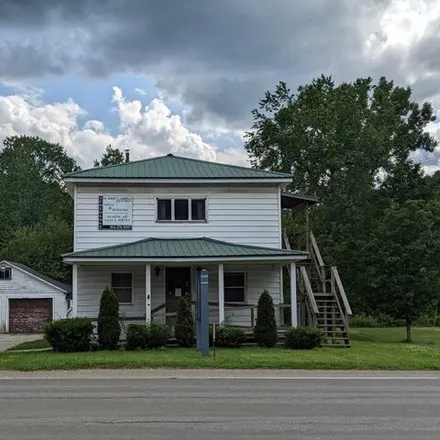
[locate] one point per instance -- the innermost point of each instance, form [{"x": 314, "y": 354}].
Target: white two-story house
[{"x": 145, "y": 228}]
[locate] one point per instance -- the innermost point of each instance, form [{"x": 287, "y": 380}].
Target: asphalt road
[{"x": 317, "y": 408}]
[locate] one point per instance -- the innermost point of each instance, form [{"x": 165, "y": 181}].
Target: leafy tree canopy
[
  {"x": 403, "y": 270},
  {"x": 111, "y": 156},
  {"x": 31, "y": 188}
]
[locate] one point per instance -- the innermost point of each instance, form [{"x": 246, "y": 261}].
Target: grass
[
  {"x": 38, "y": 344},
  {"x": 372, "y": 349}
]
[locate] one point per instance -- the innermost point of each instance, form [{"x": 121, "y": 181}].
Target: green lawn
[
  {"x": 372, "y": 349},
  {"x": 38, "y": 344}
]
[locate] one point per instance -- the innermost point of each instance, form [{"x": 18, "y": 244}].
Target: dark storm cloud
[{"x": 220, "y": 56}]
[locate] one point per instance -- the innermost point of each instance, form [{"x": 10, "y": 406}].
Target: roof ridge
[{"x": 172, "y": 156}]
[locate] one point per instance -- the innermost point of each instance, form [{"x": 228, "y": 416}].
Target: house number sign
[{"x": 115, "y": 212}]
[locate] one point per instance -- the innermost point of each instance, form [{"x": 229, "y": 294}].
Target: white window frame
[
  {"x": 189, "y": 200},
  {"x": 4, "y": 269},
  {"x": 232, "y": 272},
  {"x": 132, "y": 285}
]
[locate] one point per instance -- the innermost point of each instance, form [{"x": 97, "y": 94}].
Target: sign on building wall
[{"x": 115, "y": 212}]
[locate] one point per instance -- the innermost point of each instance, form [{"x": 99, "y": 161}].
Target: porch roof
[{"x": 194, "y": 249}]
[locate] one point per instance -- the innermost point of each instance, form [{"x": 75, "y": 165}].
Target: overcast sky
[{"x": 162, "y": 76}]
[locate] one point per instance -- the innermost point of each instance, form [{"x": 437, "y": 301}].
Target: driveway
[
  {"x": 344, "y": 406},
  {"x": 8, "y": 340}
]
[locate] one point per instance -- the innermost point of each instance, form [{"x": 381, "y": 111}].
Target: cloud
[
  {"x": 147, "y": 131},
  {"x": 219, "y": 58}
]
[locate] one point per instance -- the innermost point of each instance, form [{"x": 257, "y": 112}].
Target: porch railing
[{"x": 228, "y": 306}]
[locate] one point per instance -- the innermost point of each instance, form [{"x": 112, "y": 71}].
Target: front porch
[
  {"x": 149, "y": 292},
  {"x": 149, "y": 277}
]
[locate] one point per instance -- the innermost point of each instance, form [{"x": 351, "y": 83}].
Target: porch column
[
  {"x": 293, "y": 302},
  {"x": 148, "y": 293},
  {"x": 74, "y": 290},
  {"x": 221, "y": 294}
]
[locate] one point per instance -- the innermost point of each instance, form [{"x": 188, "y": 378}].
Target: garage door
[{"x": 29, "y": 315}]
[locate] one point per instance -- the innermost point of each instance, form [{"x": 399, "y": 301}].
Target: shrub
[
  {"x": 364, "y": 321},
  {"x": 136, "y": 336},
  {"x": 265, "y": 332},
  {"x": 69, "y": 335},
  {"x": 303, "y": 338},
  {"x": 142, "y": 336},
  {"x": 184, "y": 331},
  {"x": 158, "y": 335},
  {"x": 227, "y": 336},
  {"x": 109, "y": 327}
]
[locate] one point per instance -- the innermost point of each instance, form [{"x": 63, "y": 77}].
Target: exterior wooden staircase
[{"x": 326, "y": 304}]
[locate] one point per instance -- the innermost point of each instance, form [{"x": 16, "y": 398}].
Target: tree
[
  {"x": 404, "y": 265},
  {"x": 265, "y": 332},
  {"x": 31, "y": 187},
  {"x": 109, "y": 328},
  {"x": 112, "y": 156},
  {"x": 40, "y": 247},
  {"x": 350, "y": 145},
  {"x": 185, "y": 327}
]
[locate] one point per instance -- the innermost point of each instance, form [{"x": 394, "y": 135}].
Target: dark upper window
[
  {"x": 181, "y": 210},
  {"x": 164, "y": 209},
  {"x": 122, "y": 285},
  {"x": 235, "y": 286},
  {"x": 5, "y": 273},
  {"x": 198, "y": 209}
]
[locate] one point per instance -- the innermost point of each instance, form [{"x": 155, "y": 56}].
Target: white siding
[
  {"x": 23, "y": 285},
  {"x": 93, "y": 279},
  {"x": 239, "y": 214}
]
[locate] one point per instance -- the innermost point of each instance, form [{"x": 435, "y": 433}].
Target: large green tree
[
  {"x": 111, "y": 156},
  {"x": 40, "y": 247},
  {"x": 350, "y": 145},
  {"x": 31, "y": 187},
  {"x": 403, "y": 271}
]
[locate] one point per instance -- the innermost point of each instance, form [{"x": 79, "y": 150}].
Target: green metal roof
[
  {"x": 172, "y": 248},
  {"x": 174, "y": 167}
]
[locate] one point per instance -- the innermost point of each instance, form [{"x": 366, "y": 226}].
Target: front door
[{"x": 178, "y": 284}]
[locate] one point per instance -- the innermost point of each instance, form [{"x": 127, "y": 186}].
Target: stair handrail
[
  {"x": 308, "y": 290},
  {"x": 339, "y": 285},
  {"x": 316, "y": 250}
]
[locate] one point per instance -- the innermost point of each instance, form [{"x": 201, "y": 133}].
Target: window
[
  {"x": 235, "y": 286},
  {"x": 181, "y": 210},
  {"x": 164, "y": 209},
  {"x": 198, "y": 209},
  {"x": 122, "y": 285},
  {"x": 5, "y": 273}
]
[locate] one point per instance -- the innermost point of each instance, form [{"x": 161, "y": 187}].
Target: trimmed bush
[
  {"x": 265, "y": 332},
  {"x": 69, "y": 335},
  {"x": 109, "y": 327},
  {"x": 142, "y": 336},
  {"x": 136, "y": 336},
  {"x": 185, "y": 327},
  {"x": 303, "y": 338},
  {"x": 158, "y": 335},
  {"x": 229, "y": 337}
]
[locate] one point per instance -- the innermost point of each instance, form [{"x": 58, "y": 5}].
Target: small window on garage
[
  {"x": 122, "y": 285},
  {"x": 5, "y": 273}
]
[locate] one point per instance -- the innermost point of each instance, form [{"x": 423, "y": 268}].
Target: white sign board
[{"x": 115, "y": 212}]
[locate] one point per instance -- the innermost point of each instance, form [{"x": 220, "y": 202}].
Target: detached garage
[{"x": 29, "y": 299}]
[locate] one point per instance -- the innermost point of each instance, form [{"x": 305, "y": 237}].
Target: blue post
[
  {"x": 198, "y": 303},
  {"x": 203, "y": 313}
]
